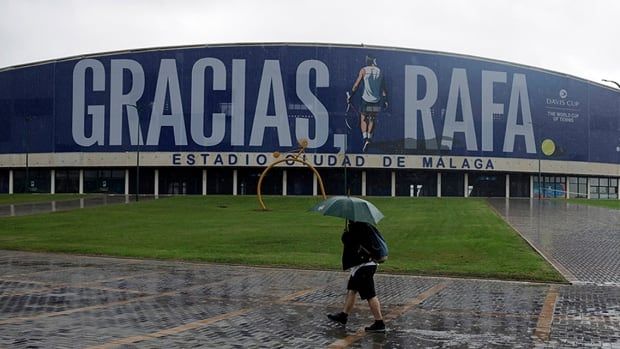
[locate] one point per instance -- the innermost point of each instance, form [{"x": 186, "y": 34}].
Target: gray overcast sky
[{"x": 576, "y": 37}]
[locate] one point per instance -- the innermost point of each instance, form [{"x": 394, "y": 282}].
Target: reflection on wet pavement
[
  {"x": 54, "y": 301},
  {"x": 24, "y": 209},
  {"x": 581, "y": 241}
]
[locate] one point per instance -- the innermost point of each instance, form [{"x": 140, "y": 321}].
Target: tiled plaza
[{"x": 68, "y": 301}]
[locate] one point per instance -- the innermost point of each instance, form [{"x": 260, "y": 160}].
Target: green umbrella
[{"x": 351, "y": 208}]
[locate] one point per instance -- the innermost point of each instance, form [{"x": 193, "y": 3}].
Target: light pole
[
  {"x": 540, "y": 185},
  {"x": 346, "y": 185},
  {"x": 27, "y": 183},
  {"x": 344, "y": 162},
  {"x": 617, "y": 147},
  {"x": 138, "y": 161},
  {"x": 618, "y": 169},
  {"x": 613, "y": 82},
  {"x": 538, "y": 157}
]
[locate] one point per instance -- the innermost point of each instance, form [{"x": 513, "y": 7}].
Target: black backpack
[{"x": 374, "y": 244}]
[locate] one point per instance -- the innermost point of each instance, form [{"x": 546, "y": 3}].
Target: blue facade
[{"x": 263, "y": 98}]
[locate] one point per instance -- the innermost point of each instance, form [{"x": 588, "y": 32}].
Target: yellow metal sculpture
[{"x": 295, "y": 158}]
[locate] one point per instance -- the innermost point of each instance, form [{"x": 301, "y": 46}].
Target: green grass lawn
[
  {"x": 7, "y": 199},
  {"x": 611, "y": 203},
  {"x": 457, "y": 237}
]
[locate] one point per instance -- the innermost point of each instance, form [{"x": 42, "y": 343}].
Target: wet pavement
[
  {"x": 62, "y": 301},
  {"x": 581, "y": 241},
  {"x": 24, "y": 209}
]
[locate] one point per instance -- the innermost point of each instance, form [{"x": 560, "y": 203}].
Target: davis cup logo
[{"x": 563, "y": 109}]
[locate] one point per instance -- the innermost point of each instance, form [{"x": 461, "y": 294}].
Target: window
[
  {"x": 34, "y": 180},
  {"x": 299, "y": 181},
  {"x": 219, "y": 181},
  {"x": 4, "y": 181},
  {"x": 104, "y": 181},
  {"x": 334, "y": 181},
  {"x": 67, "y": 181},
  {"x": 416, "y": 183},
  {"x": 180, "y": 181},
  {"x": 519, "y": 185},
  {"x": 603, "y": 188},
  {"x": 378, "y": 182},
  {"x": 452, "y": 184},
  {"x": 488, "y": 184},
  {"x": 550, "y": 187},
  {"x": 578, "y": 187}
]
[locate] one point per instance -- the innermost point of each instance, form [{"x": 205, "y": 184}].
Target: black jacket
[{"x": 352, "y": 238}]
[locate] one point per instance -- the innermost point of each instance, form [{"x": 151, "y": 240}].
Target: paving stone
[
  {"x": 583, "y": 240},
  {"x": 15, "y": 287},
  {"x": 446, "y": 329},
  {"x": 93, "y": 327},
  {"x": 56, "y": 300},
  {"x": 275, "y": 326},
  {"x": 15, "y": 267},
  {"x": 171, "y": 279},
  {"x": 489, "y": 297},
  {"x": 587, "y": 317},
  {"x": 165, "y": 304}
]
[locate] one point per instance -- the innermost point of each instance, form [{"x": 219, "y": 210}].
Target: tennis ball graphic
[{"x": 548, "y": 147}]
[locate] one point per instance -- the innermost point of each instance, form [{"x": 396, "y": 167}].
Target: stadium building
[{"x": 207, "y": 120}]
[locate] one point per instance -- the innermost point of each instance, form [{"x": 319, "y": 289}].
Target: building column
[
  {"x": 363, "y": 183},
  {"x": 567, "y": 195},
  {"x": 438, "y": 184},
  {"x": 531, "y": 186},
  {"x": 507, "y": 185},
  {"x": 235, "y": 182},
  {"x": 10, "y": 181},
  {"x": 588, "y": 187},
  {"x": 156, "y": 182},
  {"x": 315, "y": 184},
  {"x": 81, "y": 191},
  {"x": 284, "y": 182},
  {"x": 52, "y": 181},
  {"x": 127, "y": 181},
  {"x": 393, "y": 191},
  {"x": 204, "y": 182},
  {"x": 466, "y": 184}
]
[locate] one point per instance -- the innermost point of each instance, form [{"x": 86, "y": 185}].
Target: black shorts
[
  {"x": 370, "y": 108},
  {"x": 363, "y": 282}
]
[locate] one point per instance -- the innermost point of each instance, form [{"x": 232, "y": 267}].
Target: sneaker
[
  {"x": 365, "y": 146},
  {"x": 340, "y": 317},
  {"x": 378, "y": 326}
]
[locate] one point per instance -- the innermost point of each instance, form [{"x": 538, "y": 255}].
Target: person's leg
[
  {"x": 364, "y": 125},
  {"x": 367, "y": 292},
  {"x": 370, "y": 127},
  {"x": 375, "y": 308},
  {"x": 370, "y": 122},
  {"x": 349, "y": 301},
  {"x": 365, "y": 134}
]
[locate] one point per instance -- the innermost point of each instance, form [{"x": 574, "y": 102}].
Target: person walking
[
  {"x": 373, "y": 94},
  {"x": 362, "y": 270}
]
